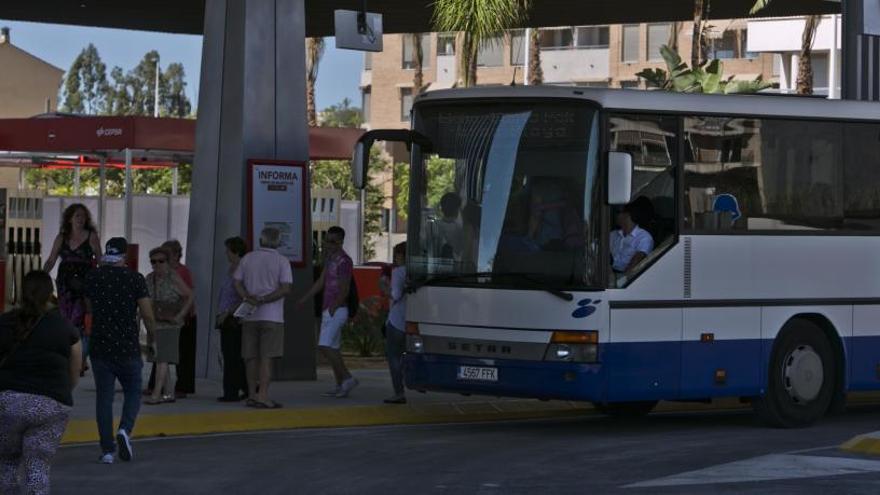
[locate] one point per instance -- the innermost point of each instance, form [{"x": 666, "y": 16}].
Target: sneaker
[
  {"x": 332, "y": 393},
  {"x": 347, "y": 386},
  {"x": 124, "y": 444},
  {"x": 106, "y": 458}
]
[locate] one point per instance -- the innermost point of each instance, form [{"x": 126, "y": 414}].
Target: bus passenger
[
  {"x": 450, "y": 241},
  {"x": 630, "y": 244}
]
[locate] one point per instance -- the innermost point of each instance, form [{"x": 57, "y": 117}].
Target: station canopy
[
  {"x": 62, "y": 141},
  {"x": 399, "y": 16}
]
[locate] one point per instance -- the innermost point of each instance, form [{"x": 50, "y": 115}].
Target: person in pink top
[
  {"x": 263, "y": 279},
  {"x": 335, "y": 280}
]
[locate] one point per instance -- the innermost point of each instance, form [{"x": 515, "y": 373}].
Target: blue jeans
[
  {"x": 395, "y": 346},
  {"x": 129, "y": 375}
]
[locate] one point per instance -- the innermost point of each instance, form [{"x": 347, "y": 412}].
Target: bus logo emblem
[{"x": 586, "y": 307}]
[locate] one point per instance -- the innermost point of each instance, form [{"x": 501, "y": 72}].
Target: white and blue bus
[{"x": 763, "y": 281}]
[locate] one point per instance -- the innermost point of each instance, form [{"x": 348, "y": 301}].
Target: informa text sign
[{"x": 277, "y": 199}]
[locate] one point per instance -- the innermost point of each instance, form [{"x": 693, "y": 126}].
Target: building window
[
  {"x": 592, "y": 84},
  {"x": 629, "y": 84},
  {"x": 517, "y": 47},
  {"x": 409, "y": 52},
  {"x": 406, "y": 102},
  {"x": 727, "y": 44},
  {"x": 491, "y": 53},
  {"x": 445, "y": 44},
  {"x": 556, "y": 39},
  {"x": 366, "y": 96},
  {"x": 630, "y": 50},
  {"x": 658, "y": 35},
  {"x": 368, "y": 61},
  {"x": 591, "y": 37}
]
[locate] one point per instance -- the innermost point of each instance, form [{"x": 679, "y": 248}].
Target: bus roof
[{"x": 753, "y": 105}]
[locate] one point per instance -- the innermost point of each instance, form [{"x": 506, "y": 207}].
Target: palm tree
[
  {"x": 697, "y": 57},
  {"x": 805, "y": 65},
  {"x": 536, "y": 74},
  {"x": 314, "y": 51},
  {"x": 479, "y": 21},
  {"x": 418, "y": 62}
]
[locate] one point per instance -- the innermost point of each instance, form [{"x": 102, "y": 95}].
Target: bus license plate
[{"x": 477, "y": 373}]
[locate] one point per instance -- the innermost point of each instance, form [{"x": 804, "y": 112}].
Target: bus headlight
[
  {"x": 572, "y": 353},
  {"x": 573, "y": 347},
  {"x": 415, "y": 344}
]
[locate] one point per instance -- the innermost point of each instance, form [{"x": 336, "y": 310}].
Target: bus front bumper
[{"x": 514, "y": 378}]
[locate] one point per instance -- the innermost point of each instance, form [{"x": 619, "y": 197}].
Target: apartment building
[{"x": 598, "y": 56}]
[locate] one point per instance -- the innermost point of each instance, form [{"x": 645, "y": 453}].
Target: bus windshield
[{"x": 507, "y": 196}]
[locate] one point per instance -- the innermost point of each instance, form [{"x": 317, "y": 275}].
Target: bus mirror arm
[{"x": 360, "y": 159}]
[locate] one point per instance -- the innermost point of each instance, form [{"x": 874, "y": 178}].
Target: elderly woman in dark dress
[{"x": 79, "y": 246}]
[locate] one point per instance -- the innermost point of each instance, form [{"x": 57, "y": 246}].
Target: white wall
[
  {"x": 565, "y": 66},
  {"x": 784, "y": 35}
]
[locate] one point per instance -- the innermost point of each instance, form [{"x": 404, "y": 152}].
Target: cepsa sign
[{"x": 277, "y": 200}]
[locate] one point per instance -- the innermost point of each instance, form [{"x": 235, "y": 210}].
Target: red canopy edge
[{"x": 84, "y": 135}]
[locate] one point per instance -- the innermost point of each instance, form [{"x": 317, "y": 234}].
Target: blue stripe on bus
[{"x": 637, "y": 371}]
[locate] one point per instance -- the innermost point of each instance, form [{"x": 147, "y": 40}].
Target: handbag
[{"x": 166, "y": 311}]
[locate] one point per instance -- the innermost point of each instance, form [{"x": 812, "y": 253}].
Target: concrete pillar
[
  {"x": 785, "y": 82},
  {"x": 861, "y": 53},
  {"x": 251, "y": 105},
  {"x": 793, "y": 76}
]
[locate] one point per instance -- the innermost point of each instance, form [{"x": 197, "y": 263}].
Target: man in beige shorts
[{"x": 263, "y": 279}]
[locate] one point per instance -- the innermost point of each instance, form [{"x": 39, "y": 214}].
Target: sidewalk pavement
[{"x": 303, "y": 407}]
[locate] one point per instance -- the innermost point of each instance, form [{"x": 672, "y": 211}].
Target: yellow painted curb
[
  {"x": 865, "y": 444},
  {"x": 83, "y": 431}
]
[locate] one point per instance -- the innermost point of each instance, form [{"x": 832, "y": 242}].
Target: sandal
[
  {"x": 250, "y": 403},
  {"x": 154, "y": 402},
  {"x": 168, "y": 399},
  {"x": 267, "y": 405}
]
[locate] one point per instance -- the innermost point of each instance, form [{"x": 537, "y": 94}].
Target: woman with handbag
[
  {"x": 172, "y": 300},
  {"x": 40, "y": 357}
]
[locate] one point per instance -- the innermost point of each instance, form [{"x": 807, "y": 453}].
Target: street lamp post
[{"x": 156, "y": 90}]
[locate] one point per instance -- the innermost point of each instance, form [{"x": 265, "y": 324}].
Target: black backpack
[{"x": 353, "y": 301}]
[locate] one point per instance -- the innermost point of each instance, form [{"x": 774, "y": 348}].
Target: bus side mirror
[
  {"x": 620, "y": 170},
  {"x": 360, "y": 160},
  {"x": 360, "y": 157}
]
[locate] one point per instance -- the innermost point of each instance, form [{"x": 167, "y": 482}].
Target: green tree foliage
[
  {"x": 342, "y": 115},
  {"x": 87, "y": 90},
  {"x": 706, "y": 78},
  {"x": 85, "y": 85},
  {"x": 336, "y": 174},
  {"x": 479, "y": 21},
  {"x": 441, "y": 179}
]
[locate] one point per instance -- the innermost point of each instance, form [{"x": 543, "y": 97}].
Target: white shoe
[
  {"x": 332, "y": 393},
  {"x": 124, "y": 445},
  {"x": 347, "y": 386},
  {"x": 106, "y": 458}
]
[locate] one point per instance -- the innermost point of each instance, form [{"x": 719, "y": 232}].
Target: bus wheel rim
[{"x": 803, "y": 374}]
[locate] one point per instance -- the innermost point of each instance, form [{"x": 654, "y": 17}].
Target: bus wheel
[
  {"x": 626, "y": 409},
  {"x": 802, "y": 376}
]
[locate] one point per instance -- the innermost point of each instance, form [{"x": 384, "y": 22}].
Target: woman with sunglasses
[{"x": 172, "y": 300}]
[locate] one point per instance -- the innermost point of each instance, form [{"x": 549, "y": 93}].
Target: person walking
[
  {"x": 40, "y": 357},
  {"x": 114, "y": 296},
  {"x": 262, "y": 279},
  {"x": 335, "y": 281},
  {"x": 235, "y": 386},
  {"x": 395, "y": 338},
  {"x": 79, "y": 247},
  {"x": 172, "y": 300}
]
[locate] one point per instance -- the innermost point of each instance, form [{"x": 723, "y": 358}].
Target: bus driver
[{"x": 630, "y": 244}]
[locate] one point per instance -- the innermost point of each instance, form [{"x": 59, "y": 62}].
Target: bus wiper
[{"x": 566, "y": 296}]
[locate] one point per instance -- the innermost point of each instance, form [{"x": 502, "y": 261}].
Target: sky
[{"x": 338, "y": 73}]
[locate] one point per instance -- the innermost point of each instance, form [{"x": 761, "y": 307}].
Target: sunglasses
[{"x": 155, "y": 262}]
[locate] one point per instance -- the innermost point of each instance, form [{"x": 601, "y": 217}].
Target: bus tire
[
  {"x": 626, "y": 409},
  {"x": 802, "y": 376}
]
